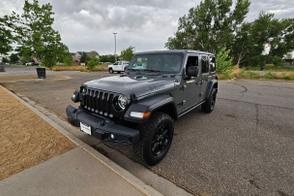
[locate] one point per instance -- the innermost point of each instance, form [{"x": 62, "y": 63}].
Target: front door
[
  {"x": 115, "y": 66},
  {"x": 190, "y": 88},
  {"x": 120, "y": 66}
]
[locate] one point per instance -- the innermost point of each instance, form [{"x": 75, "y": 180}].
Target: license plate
[{"x": 85, "y": 128}]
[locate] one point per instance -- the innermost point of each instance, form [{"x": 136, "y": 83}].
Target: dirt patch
[{"x": 25, "y": 138}]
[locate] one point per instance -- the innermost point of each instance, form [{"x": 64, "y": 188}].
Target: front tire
[
  {"x": 156, "y": 138},
  {"x": 110, "y": 70},
  {"x": 208, "y": 105}
]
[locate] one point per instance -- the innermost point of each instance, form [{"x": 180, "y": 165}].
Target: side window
[
  {"x": 192, "y": 61},
  {"x": 204, "y": 64},
  {"x": 212, "y": 64},
  {"x": 140, "y": 63}
]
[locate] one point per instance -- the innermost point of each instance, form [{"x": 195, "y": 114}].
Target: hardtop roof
[{"x": 184, "y": 51}]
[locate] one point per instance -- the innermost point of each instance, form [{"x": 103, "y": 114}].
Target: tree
[
  {"x": 107, "y": 58},
  {"x": 127, "y": 53},
  {"x": 84, "y": 57},
  {"x": 5, "y": 60},
  {"x": 224, "y": 62},
  {"x": 241, "y": 44},
  {"x": 67, "y": 59},
  {"x": 210, "y": 26},
  {"x": 267, "y": 30},
  {"x": 5, "y": 36},
  {"x": 37, "y": 39},
  {"x": 14, "y": 58}
]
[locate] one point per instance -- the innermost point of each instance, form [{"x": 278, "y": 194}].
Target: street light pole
[{"x": 114, "y": 34}]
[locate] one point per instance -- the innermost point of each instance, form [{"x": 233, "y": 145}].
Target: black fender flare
[
  {"x": 150, "y": 104},
  {"x": 210, "y": 86}
]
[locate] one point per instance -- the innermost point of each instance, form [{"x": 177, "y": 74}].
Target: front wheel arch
[{"x": 168, "y": 109}]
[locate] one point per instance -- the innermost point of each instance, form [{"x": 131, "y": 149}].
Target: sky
[{"x": 87, "y": 25}]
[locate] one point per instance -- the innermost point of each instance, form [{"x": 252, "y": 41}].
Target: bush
[
  {"x": 269, "y": 66},
  {"x": 224, "y": 62},
  {"x": 277, "y": 61},
  {"x": 67, "y": 60},
  {"x": 248, "y": 74},
  {"x": 91, "y": 63}
]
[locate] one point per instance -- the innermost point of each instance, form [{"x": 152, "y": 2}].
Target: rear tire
[
  {"x": 156, "y": 139},
  {"x": 110, "y": 70},
  {"x": 208, "y": 105}
]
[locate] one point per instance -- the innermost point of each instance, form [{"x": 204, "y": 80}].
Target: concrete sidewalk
[
  {"x": 80, "y": 171},
  {"x": 72, "y": 173}
]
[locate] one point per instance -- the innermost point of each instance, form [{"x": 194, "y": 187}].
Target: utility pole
[{"x": 114, "y": 34}]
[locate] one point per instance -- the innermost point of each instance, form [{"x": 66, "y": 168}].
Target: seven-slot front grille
[{"x": 97, "y": 101}]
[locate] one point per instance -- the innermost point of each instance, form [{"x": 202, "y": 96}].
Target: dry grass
[
  {"x": 68, "y": 68},
  {"x": 101, "y": 67},
  {"x": 25, "y": 138},
  {"x": 279, "y": 74}
]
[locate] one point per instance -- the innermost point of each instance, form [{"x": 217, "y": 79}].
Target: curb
[{"x": 126, "y": 175}]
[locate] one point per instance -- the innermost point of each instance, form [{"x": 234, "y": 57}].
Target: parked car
[
  {"x": 140, "y": 107},
  {"x": 119, "y": 66},
  {"x": 31, "y": 63}
]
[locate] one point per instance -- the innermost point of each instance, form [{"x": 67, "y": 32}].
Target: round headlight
[
  {"x": 120, "y": 103},
  {"x": 76, "y": 96}
]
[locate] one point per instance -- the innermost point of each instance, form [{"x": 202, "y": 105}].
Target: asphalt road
[{"x": 245, "y": 147}]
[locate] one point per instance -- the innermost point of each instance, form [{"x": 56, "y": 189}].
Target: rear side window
[
  {"x": 204, "y": 64},
  {"x": 212, "y": 64}
]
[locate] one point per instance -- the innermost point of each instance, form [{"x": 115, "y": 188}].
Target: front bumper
[{"x": 103, "y": 128}]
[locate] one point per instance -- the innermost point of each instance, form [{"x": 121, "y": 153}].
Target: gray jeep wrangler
[{"x": 140, "y": 106}]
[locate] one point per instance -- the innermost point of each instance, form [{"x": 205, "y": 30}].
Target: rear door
[
  {"x": 125, "y": 64},
  {"x": 204, "y": 74}
]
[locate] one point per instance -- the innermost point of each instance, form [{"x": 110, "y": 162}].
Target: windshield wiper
[
  {"x": 143, "y": 70},
  {"x": 152, "y": 70},
  {"x": 135, "y": 70}
]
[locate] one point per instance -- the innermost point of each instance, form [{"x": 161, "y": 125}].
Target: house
[
  {"x": 78, "y": 55},
  {"x": 76, "y": 58},
  {"x": 92, "y": 54},
  {"x": 289, "y": 58}
]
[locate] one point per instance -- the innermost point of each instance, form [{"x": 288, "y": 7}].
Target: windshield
[{"x": 163, "y": 62}]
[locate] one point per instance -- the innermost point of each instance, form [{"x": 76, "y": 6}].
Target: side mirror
[{"x": 192, "y": 71}]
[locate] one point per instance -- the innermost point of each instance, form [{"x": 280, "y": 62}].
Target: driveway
[{"x": 244, "y": 147}]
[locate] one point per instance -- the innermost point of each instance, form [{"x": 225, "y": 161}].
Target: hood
[{"x": 138, "y": 86}]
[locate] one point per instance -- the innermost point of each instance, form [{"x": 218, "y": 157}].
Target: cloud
[
  {"x": 281, "y": 8},
  {"x": 89, "y": 24}
]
